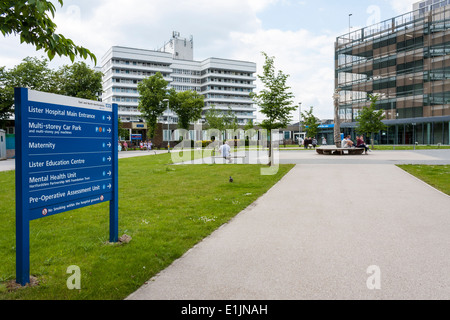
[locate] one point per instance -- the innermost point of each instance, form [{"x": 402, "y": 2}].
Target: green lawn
[
  {"x": 165, "y": 209},
  {"x": 409, "y": 147},
  {"x": 436, "y": 176},
  {"x": 383, "y": 147}
]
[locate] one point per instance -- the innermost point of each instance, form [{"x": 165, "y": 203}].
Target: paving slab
[{"x": 315, "y": 235}]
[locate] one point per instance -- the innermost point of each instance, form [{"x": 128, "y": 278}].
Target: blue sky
[{"x": 300, "y": 34}]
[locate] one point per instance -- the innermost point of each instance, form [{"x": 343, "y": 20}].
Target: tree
[
  {"x": 230, "y": 120},
  {"x": 337, "y": 120},
  {"x": 6, "y": 96},
  {"x": 188, "y": 106},
  {"x": 78, "y": 80},
  {"x": 221, "y": 120},
  {"x": 249, "y": 125},
  {"x": 369, "y": 121},
  {"x": 311, "y": 122},
  {"x": 214, "y": 119},
  {"x": 30, "y": 19},
  {"x": 152, "y": 92},
  {"x": 32, "y": 73},
  {"x": 123, "y": 133},
  {"x": 275, "y": 100}
]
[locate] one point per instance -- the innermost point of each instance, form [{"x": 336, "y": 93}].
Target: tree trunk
[
  {"x": 337, "y": 124},
  {"x": 270, "y": 154}
]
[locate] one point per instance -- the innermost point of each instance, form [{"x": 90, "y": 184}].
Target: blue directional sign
[{"x": 65, "y": 159}]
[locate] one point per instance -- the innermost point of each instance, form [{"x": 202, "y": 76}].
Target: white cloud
[
  {"x": 402, "y": 6},
  {"x": 226, "y": 29},
  {"x": 306, "y": 57}
]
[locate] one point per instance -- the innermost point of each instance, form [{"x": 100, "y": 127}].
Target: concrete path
[{"x": 315, "y": 235}]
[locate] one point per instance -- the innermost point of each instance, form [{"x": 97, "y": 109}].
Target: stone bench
[{"x": 339, "y": 151}]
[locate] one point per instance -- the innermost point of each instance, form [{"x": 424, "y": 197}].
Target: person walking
[{"x": 225, "y": 151}]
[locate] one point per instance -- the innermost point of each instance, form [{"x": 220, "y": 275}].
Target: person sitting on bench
[
  {"x": 361, "y": 144},
  {"x": 347, "y": 142}
]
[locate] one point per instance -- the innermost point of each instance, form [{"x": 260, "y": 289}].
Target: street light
[
  {"x": 168, "y": 125},
  {"x": 349, "y": 24},
  {"x": 299, "y": 121}
]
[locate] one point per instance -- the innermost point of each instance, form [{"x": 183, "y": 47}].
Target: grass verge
[
  {"x": 436, "y": 176},
  {"x": 409, "y": 147},
  {"x": 165, "y": 209}
]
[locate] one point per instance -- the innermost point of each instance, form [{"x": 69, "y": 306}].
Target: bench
[
  {"x": 339, "y": 151},
  {"x": 233, "y": 157}
]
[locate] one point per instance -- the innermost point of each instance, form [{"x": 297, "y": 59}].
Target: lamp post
[
  {"x": 337, "y": 125},
  {"x": 349, "y": 24},
  {"x": 299, "y": 121},
  {"x": 168, "y": 125}
]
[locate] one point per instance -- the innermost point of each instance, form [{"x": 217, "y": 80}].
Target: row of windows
[
  {"x": 209, "y": 79},
  {"x": 123, "y": 99},
  {"x": 126, "y": 81},
  {"x": 226, "y": 72},
  {"x": 185, "y": 88},
  {"x": 138, "y": 73},
  {"x": 185, "y": 80},
  {"x": 225, "y": 96},
  {"x": 141, "y": 64},
  {"x": 186, "y": 72},
  {"x": 226, "y": 89},
  {"x": 218, "y": 105},
  {"x": 124, "y": 90}
]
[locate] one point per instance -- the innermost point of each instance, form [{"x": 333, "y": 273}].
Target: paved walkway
[{"x": 315, "y": 234}]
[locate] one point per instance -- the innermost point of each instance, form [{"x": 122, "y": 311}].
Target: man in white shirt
[
  {"x": 225, "y": 151},
  {"x": 347, "y": 143}
]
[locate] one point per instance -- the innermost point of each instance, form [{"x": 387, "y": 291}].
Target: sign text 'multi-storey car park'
[{"x": 66, "y": 158}]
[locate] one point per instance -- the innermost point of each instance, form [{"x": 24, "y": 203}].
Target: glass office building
[{"x": 406, "y": 62}]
